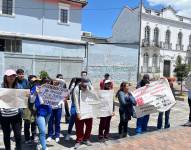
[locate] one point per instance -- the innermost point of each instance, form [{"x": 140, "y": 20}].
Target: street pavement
[{"x": 176, "y": 138}]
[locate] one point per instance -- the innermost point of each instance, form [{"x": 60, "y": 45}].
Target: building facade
[
  {"x": 40, "y": 35},
  {"x": 164, "y": 38}
]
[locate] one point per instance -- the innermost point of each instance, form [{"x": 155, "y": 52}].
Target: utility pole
[{"x": 139, "y": 50}]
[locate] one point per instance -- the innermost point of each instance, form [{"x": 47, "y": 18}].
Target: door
[{"x": 166, "y": 70}]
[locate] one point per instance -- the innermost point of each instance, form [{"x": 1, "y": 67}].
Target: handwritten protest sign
[
  {"x": 52, "y": 95},
  {"x": 95, "y": 104},
  {"x": 152, "y": 98},
  {"x": 106, "y": 104},
  {"x": 13, "y": 98}
]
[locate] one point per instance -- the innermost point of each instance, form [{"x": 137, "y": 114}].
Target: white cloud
[{"x": 183, "y": 6}]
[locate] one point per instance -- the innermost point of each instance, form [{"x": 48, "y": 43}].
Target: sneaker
[
  {"x": 101, "y": 140},
  {"x": 77, "y": 145},
  {"x": 38, "y": 147},
  {"x": 188, "y": 123},
  {"x": 28, "y": 142},
  {"x": 35, "y": 140},
  {"x": 88, "y": 143},
  {"x": 67, "y": 137},
  {"x": 57, "y": 140},
  {"x": 49, "y": 139}
]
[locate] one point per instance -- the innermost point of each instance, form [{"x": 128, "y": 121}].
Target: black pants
[
  {"x": 27, "y": 125},
  {"x": 15, "y": 123},
  {"x": 67, "y": 115},
  {"x": 123, "y": 124},
  {"x": 189, "y": 102}
]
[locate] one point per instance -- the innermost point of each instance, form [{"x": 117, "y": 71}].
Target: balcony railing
[
  {"x": 167, "y": 46},
  {"x": 145, "y": 43},
  {"x": 189, "y": 48},
  {"x": 179, "y": 47},
  {"x": 145, "y": 69},
  {"x": 157, "y": 44}
]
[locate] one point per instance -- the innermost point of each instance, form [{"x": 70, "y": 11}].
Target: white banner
[
  {"x": 96, "y": 104},
  {"x": 13, "y": 98},
  {"x": 52, "y": 95},
  {"x": 152, "y": 98}
]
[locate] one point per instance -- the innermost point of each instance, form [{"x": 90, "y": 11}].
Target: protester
[
  {"x": 55, "y": 118},
  {"x": 142, "y": 122},
  {"x": 43, "y": 112},
  {"x": 84, "y": 74},
  {"x": 82, "y": 138},
  {"x": 22, "y": 82},
  {"x": 29, "y": 116},
  {"x": 10, "y": 118},
  {"x": 126, "y": 103},
  {"x": 72, "y": 85},
  {"x": 66, "y": 107},
  {"x": 106, "y": 77},
  {"x": 167, "y": 113},
  {"x": 104, "y": 125}
]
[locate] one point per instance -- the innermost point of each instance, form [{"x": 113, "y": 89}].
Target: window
[
  {"x": 156, "y": 36},
  {"x": 155, "y": 60},
  {"x": 7, "y": 7},
  {"x": 147, "y": 34},
  {"x": 10, "y": 45},
  {"x": 180, "y": 38},
  {"x": 190, "y": 40},
  {"x": 148, "y": 11},
  {"x": 63, "y": 13},
  {"x": 167, "y": 37},
  {"x": 146, "y": 60}
]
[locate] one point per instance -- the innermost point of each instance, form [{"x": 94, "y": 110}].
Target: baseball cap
[
  {"x": 107, "y": 81},
  {"x": 10, "y": 72}
]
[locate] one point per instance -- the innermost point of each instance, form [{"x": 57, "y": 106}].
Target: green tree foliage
[{"x": 43, "y": 74}]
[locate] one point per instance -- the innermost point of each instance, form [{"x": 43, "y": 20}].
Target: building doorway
[{"x": 166, "y": 70}]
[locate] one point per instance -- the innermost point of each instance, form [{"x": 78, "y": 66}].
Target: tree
[
  {"x": 181, "y": 71},
  {"x": 43, "y": 74}
]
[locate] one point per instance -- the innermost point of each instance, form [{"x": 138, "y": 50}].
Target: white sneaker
[
  {"x": 49, "y": 139},
  {"x": 57, "y": 140},
  {"x": 38, "y": 147},
  {"x": 67, "y": 137}
]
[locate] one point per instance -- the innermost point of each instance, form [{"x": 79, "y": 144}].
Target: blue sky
[{"x": 99, "y": 15}]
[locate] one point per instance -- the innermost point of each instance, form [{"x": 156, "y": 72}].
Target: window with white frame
[
  {"x": 167, "y": 37},
  {"x": 147, "y": 33},
  {"x": 7, "y": 7},
  {"x": 156, "y": 36},
  {"x": 63, "y": 13},
  {"x": 180, "y": 38},
  {"x": 155, "y": 60}
]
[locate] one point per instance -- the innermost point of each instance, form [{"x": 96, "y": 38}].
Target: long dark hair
[
  {"x": 5, "y": 83},
  {"x": 123, "y": 84}
]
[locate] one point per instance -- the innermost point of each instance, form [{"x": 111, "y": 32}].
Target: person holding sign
[
  {"x": 43, "y": 112},
  {"x": 79, "y": 95},
  {"x": 142, "y": 122},
  {"x": 10, "y": 117},
  {"x": 104, "y": 125},
  {"x": 126, "y": 103}
]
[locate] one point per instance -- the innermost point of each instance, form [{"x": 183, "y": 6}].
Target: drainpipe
[{"x": 43, "y": 13}]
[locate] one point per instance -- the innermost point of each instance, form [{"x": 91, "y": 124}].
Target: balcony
[
  {"x": 167, "y": 46},
  {"x": 189, "y": 48},
  {"x": 157, "y": 44},
  {"x": 145, "y": 69},
  {"x": 145, "y": 43},
  {"x": 179, "y": 47}
]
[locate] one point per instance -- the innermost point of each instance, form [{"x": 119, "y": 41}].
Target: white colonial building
[{"x": 164, "y": 38}]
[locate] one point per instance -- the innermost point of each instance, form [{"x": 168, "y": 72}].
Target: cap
[
  {"x": 10, "y": 72},
  {"x": 107, "y": 81}
]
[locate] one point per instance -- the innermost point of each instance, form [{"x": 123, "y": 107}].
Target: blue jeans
[
  {"x": 54, "y": 119},
  {"x": 160, "y": 120},
  {"x": 71, "y": 123},
  {"x": 142, "y": 124},
  {"x": 41, "y": 123}
]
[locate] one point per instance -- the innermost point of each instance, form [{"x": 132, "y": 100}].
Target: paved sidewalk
[{"x": 178, "y": 116}]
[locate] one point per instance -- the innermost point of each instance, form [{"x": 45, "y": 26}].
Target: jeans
[
  {"x": 142, "y": 124},
  {"x": 6, "y": 124},
  {"x": 27, "y": 125},
  {"x": 41, "y": 122},
  {"x": 123, "y": 124},
  {"x": 71, "y": 123},
  {"x": 160, "y": 120},
  {"x": 189, "y": 102},
  {"x": 54, "y": 120}
]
